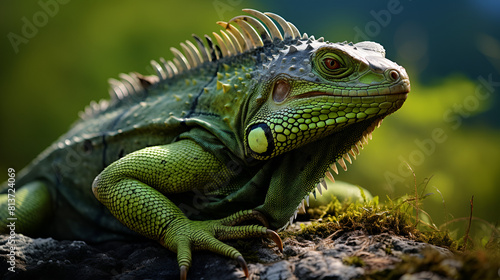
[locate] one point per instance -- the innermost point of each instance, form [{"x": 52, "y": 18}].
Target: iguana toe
[
  {"x": 243, "y": 216},
  {"x": 207, "y": 235},
  {"x": 246, "y": 215}
]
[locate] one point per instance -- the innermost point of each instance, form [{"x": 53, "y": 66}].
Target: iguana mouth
[
  {"x": 398, "y": 90},
  {"x": 360, "y": 93}
]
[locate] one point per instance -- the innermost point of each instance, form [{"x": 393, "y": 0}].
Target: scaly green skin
[{"x": 239, "y": 131}]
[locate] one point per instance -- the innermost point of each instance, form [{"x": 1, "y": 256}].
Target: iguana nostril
[{"x": 394, "y": 75}]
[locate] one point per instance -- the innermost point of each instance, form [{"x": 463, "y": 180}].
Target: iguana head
[{"x": 311, "y": 89}]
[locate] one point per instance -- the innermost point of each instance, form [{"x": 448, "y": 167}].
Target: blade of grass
[
  {"x": 466, "y": 237},
  {"x": 417, "y": 219}
]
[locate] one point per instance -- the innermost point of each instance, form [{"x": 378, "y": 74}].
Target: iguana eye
[{"x": 331, "y": 63}]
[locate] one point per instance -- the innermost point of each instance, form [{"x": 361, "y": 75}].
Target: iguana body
[{"x": 244, "y": 129}]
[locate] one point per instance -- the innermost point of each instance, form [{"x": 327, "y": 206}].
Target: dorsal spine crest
[{"x": 242, "y": 34}]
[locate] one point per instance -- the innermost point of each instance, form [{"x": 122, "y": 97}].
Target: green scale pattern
[
  {"x": 133, "y": 189},
  {"x": 300, "y": 122}
]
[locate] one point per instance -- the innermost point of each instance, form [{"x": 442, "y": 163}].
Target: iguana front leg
[
  {"x": 26, "y": 209},
  {"x": 134, "y": 188}
]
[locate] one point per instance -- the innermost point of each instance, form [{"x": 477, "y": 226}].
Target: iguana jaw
[{"x": 315, "y": 115}]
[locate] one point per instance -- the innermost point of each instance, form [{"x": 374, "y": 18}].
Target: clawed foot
[{"x": 206, "y": 235}]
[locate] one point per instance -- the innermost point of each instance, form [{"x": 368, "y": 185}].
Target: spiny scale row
[
  {"x": 251, "y": 34},
  {"x": 93, "y": 108},
  {"x": 354, "y": 151},
  {"x": 128, "y": 85}
]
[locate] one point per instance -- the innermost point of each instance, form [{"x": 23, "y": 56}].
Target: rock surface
[{"x": 345, "y": 255}]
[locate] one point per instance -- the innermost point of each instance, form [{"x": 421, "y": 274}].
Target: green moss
[
  {"x": 388, "y": 250},
  {"x": 247, "y": 248},
  {"x": 480, "y": 261},
  {"x": 369, "y": 216},
  {"x": 440, "y": 238},
  {"x": 475, "y": 265},
  {"x": 353, "y": 261}
]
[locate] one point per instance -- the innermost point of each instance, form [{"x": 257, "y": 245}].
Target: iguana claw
[
  {"x": 184, "y": 271},
  {"x": 276, "y": 238},
  {"x": 243, "y": 265}
]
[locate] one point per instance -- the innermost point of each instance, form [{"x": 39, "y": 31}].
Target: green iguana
[{"x": 240, "y": 128}]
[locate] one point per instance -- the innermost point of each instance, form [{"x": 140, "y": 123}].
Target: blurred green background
[{"x": 448, "y": 129}]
